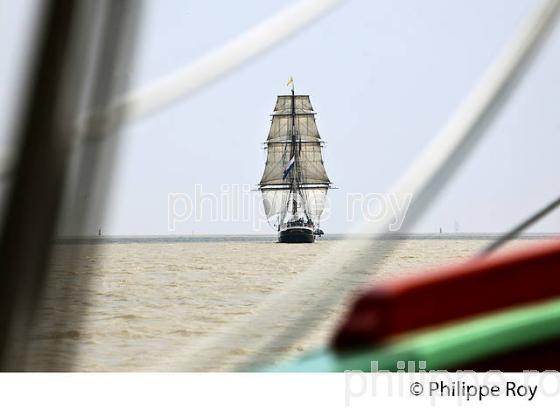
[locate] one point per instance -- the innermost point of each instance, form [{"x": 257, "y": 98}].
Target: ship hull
[{"x": 296, "y": 235}]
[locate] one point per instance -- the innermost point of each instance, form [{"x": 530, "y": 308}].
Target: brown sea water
[{"x": 147, "y": 305}]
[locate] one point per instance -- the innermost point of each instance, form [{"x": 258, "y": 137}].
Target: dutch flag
[{"x": 289, "y": 167}]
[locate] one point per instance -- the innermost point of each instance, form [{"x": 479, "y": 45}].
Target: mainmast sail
[{"x": 294, "y": 183}]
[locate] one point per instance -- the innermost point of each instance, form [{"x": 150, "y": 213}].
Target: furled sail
[{"x": 299, "y": 192}]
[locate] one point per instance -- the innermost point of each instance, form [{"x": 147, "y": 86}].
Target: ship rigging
[{"x": 294, "y": 184}]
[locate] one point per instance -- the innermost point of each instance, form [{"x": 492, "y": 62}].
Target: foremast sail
[{"x": 294, "y": 183}]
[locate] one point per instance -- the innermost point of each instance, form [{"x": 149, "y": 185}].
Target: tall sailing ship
[{"x": 294, "y": 184}]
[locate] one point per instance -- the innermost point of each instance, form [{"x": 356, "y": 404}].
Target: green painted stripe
[{"x": 446, "y": 347}]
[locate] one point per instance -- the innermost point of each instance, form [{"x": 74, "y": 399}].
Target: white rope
[
  {"x": 184, "y": 82},
  {"x": 334, "y": 275}
]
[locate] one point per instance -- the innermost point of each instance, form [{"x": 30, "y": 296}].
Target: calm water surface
[{"x": 146, "y": 302}]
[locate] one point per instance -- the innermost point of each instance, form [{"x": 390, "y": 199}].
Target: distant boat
[{"x": 294, "y": 184}]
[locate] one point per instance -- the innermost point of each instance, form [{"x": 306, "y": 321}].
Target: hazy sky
[{"x": 383, "y": 77}]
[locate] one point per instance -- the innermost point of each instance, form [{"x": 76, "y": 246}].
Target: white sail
[
  {"x": 279, "y": 208},
  {"x": 284, "y": 105},
  {"x": 298, "y": 193},
  {"x": 312, "y": 166},
  {"x": 315, "y": 201},
  {"x": 275, "y": 205},
  {"x": 280, "y": 129}
]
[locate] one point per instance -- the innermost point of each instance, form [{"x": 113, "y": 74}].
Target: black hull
[{"x": 296, "y": 235}]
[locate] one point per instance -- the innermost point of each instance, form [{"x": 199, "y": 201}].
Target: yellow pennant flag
[{"x": 290, "y": 82}]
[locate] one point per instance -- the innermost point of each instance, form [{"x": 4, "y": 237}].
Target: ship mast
[{"x": 294, "y": 184}]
